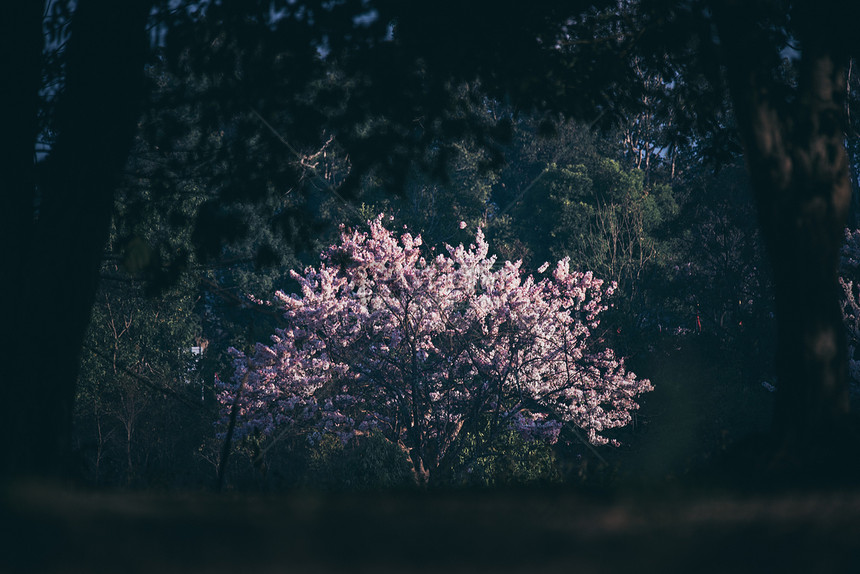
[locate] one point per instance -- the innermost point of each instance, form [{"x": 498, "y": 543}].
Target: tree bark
[
  {"x": 60, "y": 245},
  {"x": 799, "y": 169},
  {"x": 21, "y": 60}
]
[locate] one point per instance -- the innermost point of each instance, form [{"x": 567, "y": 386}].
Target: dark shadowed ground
[
  {"x": 49, "y": 529},
  {"x": 658, "y": 512}
]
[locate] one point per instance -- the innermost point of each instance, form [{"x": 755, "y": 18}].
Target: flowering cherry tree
[{"x": 388, "y": 336}]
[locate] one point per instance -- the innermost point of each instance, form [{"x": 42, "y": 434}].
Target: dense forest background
[
  {"x": 692, "y": 289},
  {"x": 182, "y": 157}
]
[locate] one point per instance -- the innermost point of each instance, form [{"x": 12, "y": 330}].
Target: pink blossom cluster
[
  {"x": 850, "y": 302},
  {"x": 387, "y": 336}
]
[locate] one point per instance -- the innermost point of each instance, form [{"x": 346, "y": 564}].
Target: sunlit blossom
[{"x": 416, "y": 345}]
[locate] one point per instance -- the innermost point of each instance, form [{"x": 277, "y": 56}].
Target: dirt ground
[{"x": 58, "y": 530}]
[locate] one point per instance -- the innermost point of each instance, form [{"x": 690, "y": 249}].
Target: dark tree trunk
[
  {"x": 21, "y": 44},
  {"x": 21, "y": 60},
  {"x": 794, "y": 143},
  {"x": 61, "y": 245}
]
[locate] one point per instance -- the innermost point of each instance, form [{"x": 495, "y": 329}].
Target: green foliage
[
  {"x": 366, "y": 462},
  {"x": 722, "y": 273},
  {"x": 140, "y": 407},
  {"x": 602, "y": 217},
  {"x": 144, "y": 402},
  {"x": 372, "y": 461},
  {"x": 447, "y": 184},
  {"x": 508, "y": 459},
  {"x": 565, "y": 196}
]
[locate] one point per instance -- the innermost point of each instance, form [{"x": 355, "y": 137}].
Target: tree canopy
[{"x": 387, "y": 336}]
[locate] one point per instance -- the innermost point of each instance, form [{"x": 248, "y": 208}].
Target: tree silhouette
[{"x": 55, "y": 228}]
